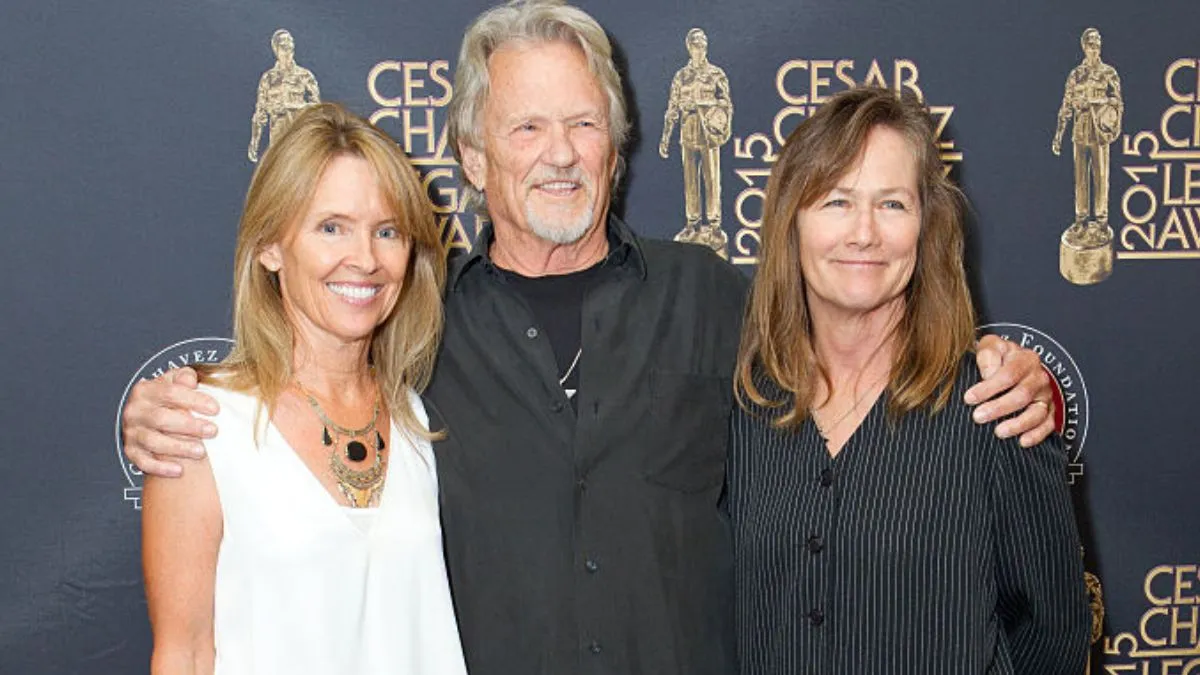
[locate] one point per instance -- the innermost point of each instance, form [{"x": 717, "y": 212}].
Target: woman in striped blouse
[{"x": 876, "y": 528}]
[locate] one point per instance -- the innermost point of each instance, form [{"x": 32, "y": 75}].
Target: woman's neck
[
  {"x": 337, "y": 374},
  {"x": 856, "y": 351}
]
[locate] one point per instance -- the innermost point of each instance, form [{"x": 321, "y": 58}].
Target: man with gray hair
[{"x": 585, "y": 382}]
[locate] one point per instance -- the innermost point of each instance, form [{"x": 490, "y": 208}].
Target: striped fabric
[{"x": 926, "y": 546}]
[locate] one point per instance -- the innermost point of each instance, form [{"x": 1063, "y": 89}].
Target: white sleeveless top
[{"x": 305, "y": 587}]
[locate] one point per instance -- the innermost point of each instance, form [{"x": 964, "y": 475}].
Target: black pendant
[
  {"x": 355, "y": 451},
  {"x": 379, "y": 441},
  {"x": 325, "y": 437}
]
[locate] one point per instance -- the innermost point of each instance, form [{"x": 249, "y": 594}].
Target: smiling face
[
  {"x": 858, "y": 243},
  {"x": 548, "y": 160},
  {"x": 342, "y": 262}
]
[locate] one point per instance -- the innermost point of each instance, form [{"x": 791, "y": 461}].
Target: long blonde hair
[
  {"x": 937, "y": 325},
  {"x": 404, "y": 346}
]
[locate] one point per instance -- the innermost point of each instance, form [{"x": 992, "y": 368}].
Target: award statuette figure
[
  {"x": 700, "y": 103},
  {"x": 1092, "y": 97},
  {"x": 284, "y": 90}
]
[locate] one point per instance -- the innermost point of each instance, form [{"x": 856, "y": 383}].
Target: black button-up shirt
[
  {"x": 927, "y": 546},
  {"x": 591, "y": 542}
]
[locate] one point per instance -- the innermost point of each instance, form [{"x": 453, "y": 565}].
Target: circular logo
[
  {"x": 184, "y": 353},
  {"x": 1073, "y": 413}
]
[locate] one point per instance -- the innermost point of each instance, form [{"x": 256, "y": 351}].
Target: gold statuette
[
  {"x": 1092, "y": 98},
  {"x": 700, "y": 103},
  {"x": 284, "y": 90},
  {"x": 1096, "y": 602}
]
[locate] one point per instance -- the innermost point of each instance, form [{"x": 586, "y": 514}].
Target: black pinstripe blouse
[{"x": 925, "y": 547}]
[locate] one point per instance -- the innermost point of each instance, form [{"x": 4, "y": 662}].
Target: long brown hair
[
  {"x": 404, "y": 346},
  {"x": 937, "y": 325}
]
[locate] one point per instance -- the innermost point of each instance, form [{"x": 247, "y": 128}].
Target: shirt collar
[{"x": 624, "y": 251}]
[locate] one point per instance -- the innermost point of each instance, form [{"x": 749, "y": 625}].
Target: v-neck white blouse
[{"x": 302, "y": 585}]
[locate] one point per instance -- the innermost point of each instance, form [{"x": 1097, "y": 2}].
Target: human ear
[
  {"x": 474, "y": 165},
  {"x": 271, "y": 257}
]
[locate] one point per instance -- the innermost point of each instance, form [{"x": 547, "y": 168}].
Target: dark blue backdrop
[{"x": 124, "y": 128}]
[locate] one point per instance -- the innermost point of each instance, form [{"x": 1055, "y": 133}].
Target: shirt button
[
  {"x": 531, "y": 333},
  {"x": 595, "y": 647},
  {"x": 581, "y": 484},
  {"x": 815, "y": 544},
  {"x": 591, "y": 566},
  {"x": 557, "y": 406},
  {"x": 826, "y": 477},
  {"x": 816, "y": 617}
]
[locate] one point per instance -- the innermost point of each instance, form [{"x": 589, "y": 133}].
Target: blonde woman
[{"x": 308, "y": 540}]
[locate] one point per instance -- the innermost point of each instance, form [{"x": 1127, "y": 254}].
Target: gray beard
[{"x": 560, "y": 233}]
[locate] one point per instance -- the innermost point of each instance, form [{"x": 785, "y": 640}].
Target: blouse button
[{"x": 815, "y": 544}]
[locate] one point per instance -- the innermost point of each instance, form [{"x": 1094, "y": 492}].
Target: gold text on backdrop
[
  {"x": 1162, "y": 206},
  {"x": 802, "y": 85},
  {"x": 413, "y": 96}
]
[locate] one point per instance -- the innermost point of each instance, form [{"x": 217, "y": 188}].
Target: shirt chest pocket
[{"x": 689, "y": 426}]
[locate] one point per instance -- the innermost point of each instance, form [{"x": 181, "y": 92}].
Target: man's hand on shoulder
[
  {"x": 1013, "y": 381},
  {"x": 159, "y": 427}
]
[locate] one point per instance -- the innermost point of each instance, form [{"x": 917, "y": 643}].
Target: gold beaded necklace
[{"x": 360, "y": 488}]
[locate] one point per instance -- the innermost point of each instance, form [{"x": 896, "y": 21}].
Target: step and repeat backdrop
[{"x": 129, "y": 131}]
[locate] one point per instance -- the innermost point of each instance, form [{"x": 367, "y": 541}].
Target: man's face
[
  {"x": 1091, "y": 49},
  {"x": 697, "y": 47},
  {"x": 548, "y": 160}
]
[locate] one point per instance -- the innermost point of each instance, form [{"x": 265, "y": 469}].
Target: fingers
[
  {"x": 176, "y": 422},
  {"x": 1031, "y": 418},
  {"x": 1019, "y": 382},
  {"x": 1039, "y": 433},
  {"x": 137, "y": 453},
  {"x": 190, "y": 400},
  {"x": 1016, "y": 399},
  {"x": 1000, "y": 380},
  {"x": 151, "y": 403},
  {"x": 990, "y": 353},
  {"x": 158, "y": 424}
]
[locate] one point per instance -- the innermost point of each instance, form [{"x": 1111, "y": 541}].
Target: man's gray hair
[{"x": 532, "y": 22}]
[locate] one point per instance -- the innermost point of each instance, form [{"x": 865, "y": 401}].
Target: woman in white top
[{"x": 308, "y": 541}]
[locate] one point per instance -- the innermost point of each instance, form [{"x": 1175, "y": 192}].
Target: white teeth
[
  {"x": 559, "y": 185},
  {"x": 355, "y": 292}
]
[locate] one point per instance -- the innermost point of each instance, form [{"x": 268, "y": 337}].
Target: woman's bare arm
[{"x": 181, "y": 534}]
